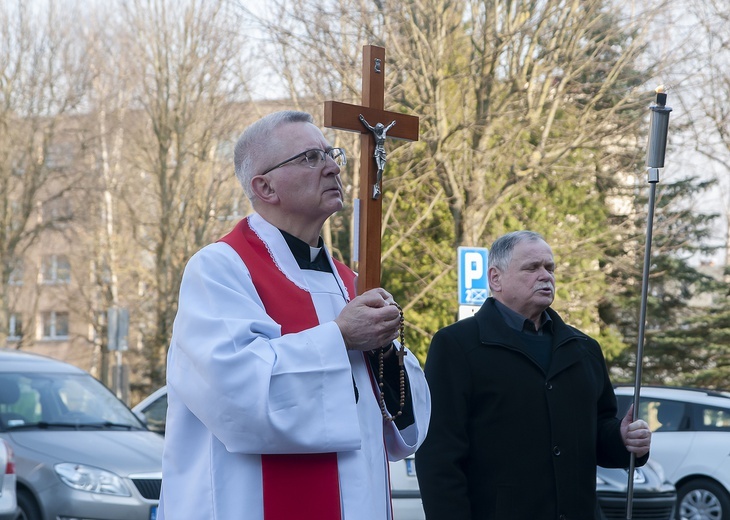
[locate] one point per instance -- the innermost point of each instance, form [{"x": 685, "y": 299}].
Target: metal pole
[
  {"x": 653, "y": 180},
  {"x": 119, "y": 390},
  {"x": 654, "y": 160}
]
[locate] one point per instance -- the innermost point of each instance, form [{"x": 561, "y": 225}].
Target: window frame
[
  {"x": 53, "y": 334},
  {"x": 53, "y": 267},
  {"x": 15, "y": 326}
]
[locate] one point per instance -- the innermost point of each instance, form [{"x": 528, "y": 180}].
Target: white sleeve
[
  {"x": 254, "y": 389},
  {"x": 402, "y": 443}
]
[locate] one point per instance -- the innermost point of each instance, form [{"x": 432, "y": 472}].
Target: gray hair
[
  {"x": 500, "y": 254},
  {"x": 255, "y": 143}
]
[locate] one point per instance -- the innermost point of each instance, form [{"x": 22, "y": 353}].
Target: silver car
[
  {"x": 79, "y": 451},
  {"x": 653, "y": 499},
  {"x": 8, "y": 502}
]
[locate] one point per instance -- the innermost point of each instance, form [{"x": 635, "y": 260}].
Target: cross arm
[{"x": 344, "y": 116}]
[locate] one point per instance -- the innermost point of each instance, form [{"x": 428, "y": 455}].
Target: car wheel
[
  {"x": 28, "y": 507},
  {"x": 702, "y": 500}
]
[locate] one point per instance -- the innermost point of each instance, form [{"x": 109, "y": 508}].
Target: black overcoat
[{"x": 508, "y": 441}]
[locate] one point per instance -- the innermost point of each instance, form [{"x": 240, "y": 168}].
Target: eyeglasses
[{"x": 313, "y": 158}]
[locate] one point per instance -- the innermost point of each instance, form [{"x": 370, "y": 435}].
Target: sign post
[
  {"x": 473, "y": 279},
  {"x": 117, "y": 341}
]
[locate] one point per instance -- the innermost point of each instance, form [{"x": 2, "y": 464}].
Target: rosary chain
[{"x": 400, "y": 353}]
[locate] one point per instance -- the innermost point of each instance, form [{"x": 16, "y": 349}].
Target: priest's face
[
  {"x": 309, "y": 194},
  {"x": 527, "y": 285}
]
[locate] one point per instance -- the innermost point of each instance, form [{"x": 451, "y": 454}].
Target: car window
[
  {"x": 664, "y": 415},
  {"x": 669, "y": 415},
  {"x": 712, "y": 418},
  {"x": 74, "y": 399},
  {"x": 156, "y": 414}
]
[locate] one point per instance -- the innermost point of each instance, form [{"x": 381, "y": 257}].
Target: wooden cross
[{"x": 344, "y": 116}]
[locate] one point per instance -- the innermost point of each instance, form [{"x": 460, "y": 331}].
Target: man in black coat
[{"x": 522, "y": 405}]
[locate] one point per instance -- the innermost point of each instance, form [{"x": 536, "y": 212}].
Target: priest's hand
[
  {"x": 636, "y": 435},
  {"x": 369, "y": 321}
]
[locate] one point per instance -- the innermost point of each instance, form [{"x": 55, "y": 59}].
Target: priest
[{"x": 287, "y": 393}]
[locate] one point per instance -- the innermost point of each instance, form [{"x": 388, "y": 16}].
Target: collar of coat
[{"x": 569, "y": 343}]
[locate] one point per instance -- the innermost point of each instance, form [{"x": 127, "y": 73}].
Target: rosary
[{"x": 400, "y": 352}]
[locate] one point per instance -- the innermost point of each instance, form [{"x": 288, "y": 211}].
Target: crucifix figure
[
  {"x": 379, "y": 131},
  {"x": 353, "y": 118}
]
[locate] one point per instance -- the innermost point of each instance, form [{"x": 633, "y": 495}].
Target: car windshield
[{"x": 58, "y": 400}]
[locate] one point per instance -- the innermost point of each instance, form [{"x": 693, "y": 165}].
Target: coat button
[
  {"x": 563, "y": 517},
  {"x": 549, "y": 385},
  {"x": 556, "y": 450}
]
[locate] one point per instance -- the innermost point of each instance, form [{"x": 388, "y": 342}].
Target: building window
[
  {"x": 55, "y": 325},
  {"x": 56, "y": 269},
  {"x": 15, "y": 327},
  {"x": 16, "y": 274},
  {"x": 17, "y": 216}
]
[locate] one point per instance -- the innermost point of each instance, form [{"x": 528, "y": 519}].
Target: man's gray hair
[
  {"x": 500, "y": 254},
  {"x": 255, "y": 144}
]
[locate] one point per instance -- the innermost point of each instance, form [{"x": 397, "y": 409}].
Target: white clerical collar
[{"x": 313, "y": 252}]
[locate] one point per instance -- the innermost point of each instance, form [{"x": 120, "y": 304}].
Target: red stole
[{"x": 301, "y": 486}]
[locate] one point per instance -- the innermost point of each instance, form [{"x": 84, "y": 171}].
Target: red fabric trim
[
  {"x": 348, "y": 277},
  {"x": 271, "y": 284},
  {"x": 301, "y": 486}
]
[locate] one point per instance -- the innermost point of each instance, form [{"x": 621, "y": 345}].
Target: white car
[
  {"x": 8, "y": 498},
  {"x": 691, "y": 440}
]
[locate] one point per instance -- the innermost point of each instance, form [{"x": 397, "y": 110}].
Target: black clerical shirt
[
  {"x": 303, "y": 253},
  {"x": 535, "y": 342}
]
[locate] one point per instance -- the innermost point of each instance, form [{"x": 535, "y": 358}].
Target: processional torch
[{"x": 657, "y": 146}]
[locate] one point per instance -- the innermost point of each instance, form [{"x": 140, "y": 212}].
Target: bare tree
[
  {"x": 182, "y": 64},
  {"x": 43, "y": 79},
  {"x": 709, "y": 97},
  {"x": 313, "y": 51},
  {"x": 529, "y": 110}
]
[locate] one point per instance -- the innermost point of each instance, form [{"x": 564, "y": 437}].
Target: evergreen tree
[{"x": 678, "y": 234}]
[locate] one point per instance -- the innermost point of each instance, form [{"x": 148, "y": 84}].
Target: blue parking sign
[{"x": 473, "y": 281}]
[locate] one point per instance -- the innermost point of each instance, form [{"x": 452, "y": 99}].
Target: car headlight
[{"x": 93, "y": 480}]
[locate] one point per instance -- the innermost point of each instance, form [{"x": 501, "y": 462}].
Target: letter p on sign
[{"x": 474, "y": 263}]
